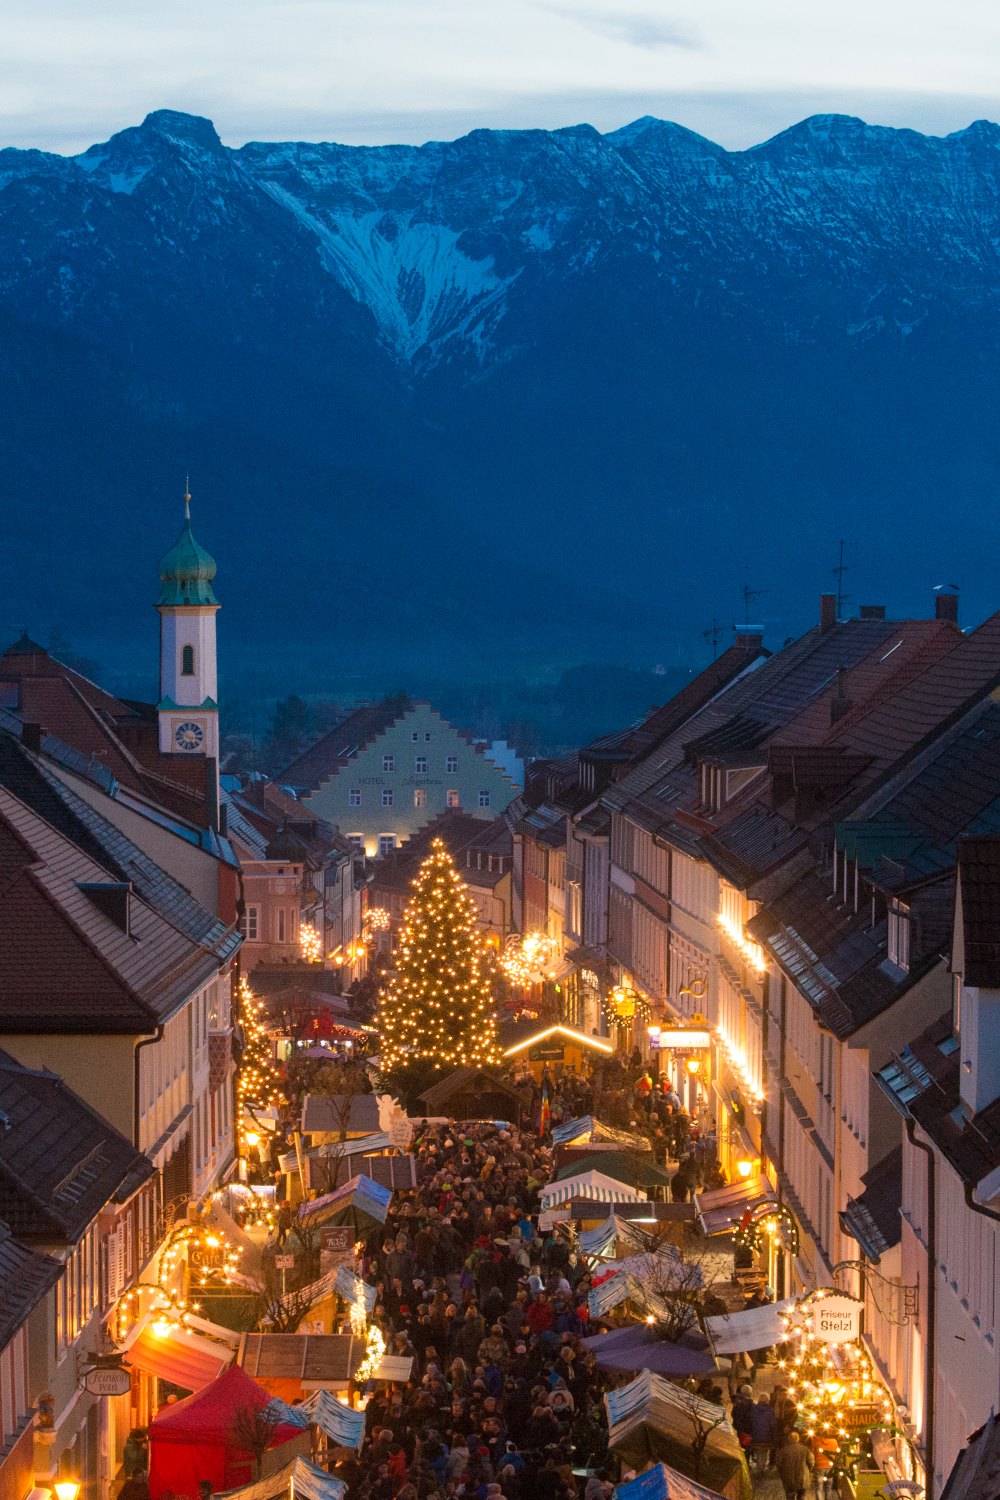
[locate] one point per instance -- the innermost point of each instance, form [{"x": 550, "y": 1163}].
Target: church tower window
[{"x": 187, "y": 661}]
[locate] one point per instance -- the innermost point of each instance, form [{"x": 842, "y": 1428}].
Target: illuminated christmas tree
[
  {"x": 439, "y": 1011},
  {"x": 257, "y": 1084}
]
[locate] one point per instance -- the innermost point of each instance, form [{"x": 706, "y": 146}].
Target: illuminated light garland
[
  {"x": 752, "y": 952},
  {"x": 739, "y": 1063},
  {"x": 439, "y": 1006},
  {"x": 171, "y": 1309},
  {"x": 624, "y": 1005},
  {"x": 310, "y": 943},
  {"x": 838, "y": 1407},
  {"x": 376, "y": 919},
  {"x": 752, "y": 1231},
  {"x": 528, "y": 958},
  {"x": 257, "y": 1086}
]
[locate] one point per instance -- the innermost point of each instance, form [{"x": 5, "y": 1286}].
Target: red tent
[{"x": 195, "y": 1439}]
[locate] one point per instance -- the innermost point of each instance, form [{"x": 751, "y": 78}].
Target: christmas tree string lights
[
  {"x": 439, "y": 1007},
  {"x": 257, "y": 1085}
]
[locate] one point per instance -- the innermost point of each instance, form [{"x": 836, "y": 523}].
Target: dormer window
[
  {"x": 187, "y": 661},
  {"x": 899, "y": 934}
]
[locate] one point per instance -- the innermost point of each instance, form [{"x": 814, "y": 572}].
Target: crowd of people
[{"x": 505, "y": 1402}]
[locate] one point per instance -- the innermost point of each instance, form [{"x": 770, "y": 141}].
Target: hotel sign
[{"x": 836, "y": 1319}]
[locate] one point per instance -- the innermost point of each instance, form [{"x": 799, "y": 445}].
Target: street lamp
[
  {"x": 252, "y": 1138},
  {"x": 693, "y": 1066},
  {"x": 744, "y": 1167},
  {"x": 67, "y": 1489}
]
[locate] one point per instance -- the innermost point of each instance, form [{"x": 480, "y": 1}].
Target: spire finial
[{"x": 187, "y": 497}]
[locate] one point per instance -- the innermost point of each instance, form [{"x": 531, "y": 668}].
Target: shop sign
[
  {"x": 836, "y": 1319},
  {"x": 684, "y": 1037},
  {"x": 337, "y": 1239},
  {"x": 400, "y": 1132},
  {"x": 547, "y": 1052},
  {"x": 866, "y": 1415},
  {"x": 284, "y": 1262},
  {"x": 112, "y": 1380}
]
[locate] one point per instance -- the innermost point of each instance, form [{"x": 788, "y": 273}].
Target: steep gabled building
[{"x": 389, "y": 768}]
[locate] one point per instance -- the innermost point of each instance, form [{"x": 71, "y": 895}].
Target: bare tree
[
  {"x": 704, "y": 1417},
  {"x": 682, "y": 1283},
  {"x": 342, "y": 1083},
  {"x": 255, "y": 1433},
  {"x": 280, "y": 1308}
]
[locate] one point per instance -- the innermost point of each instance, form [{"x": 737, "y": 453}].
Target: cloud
[{"x": 637, "y": 28}]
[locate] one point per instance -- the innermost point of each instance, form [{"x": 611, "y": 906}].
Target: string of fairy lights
[
  {"x": 840, "y": 1401},
  {"x": 195, "y": 1252},
  {"x": 258, "y": 1087},
  {"x": 439, "y": 1006}
]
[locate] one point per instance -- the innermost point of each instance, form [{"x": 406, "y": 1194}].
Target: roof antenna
[
  {"x": 838, "y": 572},
  {"x": 187, "y": 497},
  {"x": 714, "y": 635}
]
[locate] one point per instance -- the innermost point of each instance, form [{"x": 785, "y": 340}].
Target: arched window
[{"x": 187, "y": 661}]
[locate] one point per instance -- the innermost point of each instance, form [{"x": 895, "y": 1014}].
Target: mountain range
[{"x": 526, "y": 396}]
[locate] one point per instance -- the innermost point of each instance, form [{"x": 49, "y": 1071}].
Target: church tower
[{"x": 188, "y": 709}]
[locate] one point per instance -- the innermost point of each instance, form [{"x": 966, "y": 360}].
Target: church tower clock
[{"x": 188, "y": 709}]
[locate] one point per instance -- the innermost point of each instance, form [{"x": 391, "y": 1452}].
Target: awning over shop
[
  {"x": 588, "y": 1130},
  {"x": 299, "y": 1479},
  {"x": 661, "y": 1482},
  {"x": 651, "y": 1408},
  {"x": 641, "y": 1213},
  {"x": 350, "y": 1286},
  {"x": 751, "y": 1328},
  {"x": 361, "y": 1202},
  {"x": 618, "y": 1290},
  {"x": 603, "y": 1242},
  {"x": 635, "y": 1169},
  {"x": 185, "y": 1357},
  {"x": 641, "y": 1347},
  {"x": 721, "y": 1209},
  {"x": 664, "y": 1269},
  {"x": 591, "y": 1185},
  {"x": 341, "y": 1424}
]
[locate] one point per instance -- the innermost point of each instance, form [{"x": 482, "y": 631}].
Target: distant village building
[
  {"x": 483, "y": 855},
  {"x": 387, "y": 769}
]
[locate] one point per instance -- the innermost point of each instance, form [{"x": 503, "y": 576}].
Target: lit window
[
  {"x": 187, "y": 661},
  {"x": 420, "y": 765},
  {"x": 387, "y": 796},
  {"x": 420, "y": 796},
  {"x": 388, "y": 762},
  {"x": 452, "y": 765},
  {"x": 452, "y": 797},
  {"x": 354, "y": 797},
  {"x": 484, "y": 799},
  {"x": 899, "y": 934},
  {"x": 386, "y": 844}
]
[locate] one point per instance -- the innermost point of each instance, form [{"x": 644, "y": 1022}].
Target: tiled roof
[
  {"x": 873, "y": 1218},
  {"x": 975, "y": 1474},
  {"x": 60, "y": 1163},
  {"x": 65, "y": 964},
  {"x": 837, "y": 959},
  {"x": 640, "y": 738},
  {"x": 753, "y": 708},
  {"x": 948, "y": 687},
  {"x": 979, "y": 877},
  {"x": 337, "y": 748},
  {"x": 25, "y": 1277},
  {"x": 34, "y": 782}
]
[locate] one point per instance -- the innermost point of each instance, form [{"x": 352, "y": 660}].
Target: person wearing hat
[{"x": 742, "y": 1409}]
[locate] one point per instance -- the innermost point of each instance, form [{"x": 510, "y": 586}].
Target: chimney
[
  {"x": 840, "y": 703},
  {"x": 871, "y": 612},
  {"x": 748, "y": 637},
  {"x": 946, "y": 607},
  {"x": 31, "y": 737},
  {"x": 827, "y": 613},
  {"x": 224, "y": 819}
]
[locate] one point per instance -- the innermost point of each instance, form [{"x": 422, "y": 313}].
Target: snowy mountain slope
[{"x": 428, "y": 355}]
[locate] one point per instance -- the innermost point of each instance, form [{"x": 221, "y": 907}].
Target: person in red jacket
[{"x": 539, "y": 1315}]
